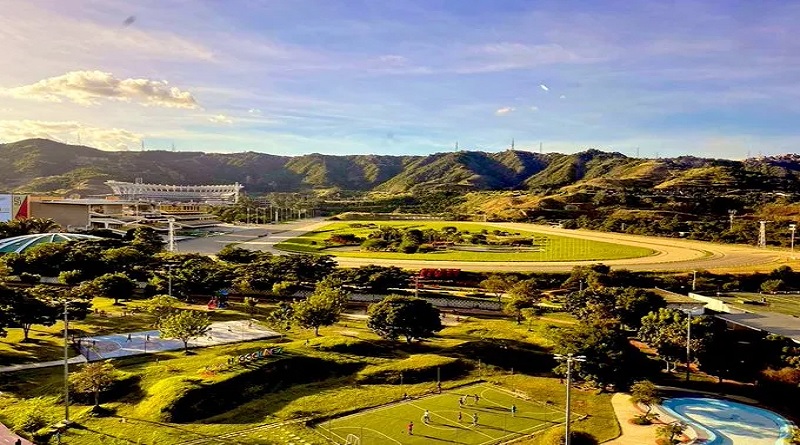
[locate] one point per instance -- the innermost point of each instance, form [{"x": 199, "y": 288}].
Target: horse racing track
[{"x": 495, "y": 421}]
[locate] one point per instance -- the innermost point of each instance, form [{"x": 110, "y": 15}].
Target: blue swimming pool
[{"x": 729, "y": 423}]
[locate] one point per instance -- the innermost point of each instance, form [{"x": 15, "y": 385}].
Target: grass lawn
[
  {"x": 554, "y": 248},
  {"x": 788, "y": 304},
  {"x": 46, "y": 343},
  {"x": 170, "y": 398},
  {"x": 493, "y": 409}
]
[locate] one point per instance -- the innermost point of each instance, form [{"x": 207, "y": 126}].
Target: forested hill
[{"x": 40, "y": 165}]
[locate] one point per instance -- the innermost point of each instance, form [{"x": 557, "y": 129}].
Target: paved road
[{"x": 670, "y": 254}]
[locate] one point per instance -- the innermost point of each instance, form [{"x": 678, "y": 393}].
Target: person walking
[{"x": 129, "y": 338}]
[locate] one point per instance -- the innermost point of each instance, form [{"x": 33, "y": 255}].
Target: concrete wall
[{"x": 67, "y": 215}]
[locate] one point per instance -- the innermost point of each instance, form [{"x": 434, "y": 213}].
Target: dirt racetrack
[{"x": 671, "y": 254}]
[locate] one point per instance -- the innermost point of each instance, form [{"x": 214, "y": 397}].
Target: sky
[{"x": 668, "y": 78}]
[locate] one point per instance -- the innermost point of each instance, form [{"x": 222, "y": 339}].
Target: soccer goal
[{"x": 352, "y": 439}]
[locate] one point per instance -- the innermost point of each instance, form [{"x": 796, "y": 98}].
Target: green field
[
  {"x": 554, "y": 247},
  {"x": 388, "y": 424}
]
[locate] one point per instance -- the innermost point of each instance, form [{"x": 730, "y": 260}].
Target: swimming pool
[{"x": 729, "y": 423}]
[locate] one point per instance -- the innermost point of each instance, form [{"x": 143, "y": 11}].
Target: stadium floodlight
[
  {"x": 689, "y": 312},
  {"x": 792, "y": 228},
  {"x": 569, "y": 359}
]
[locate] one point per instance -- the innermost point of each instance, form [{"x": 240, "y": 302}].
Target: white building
[{"x": 210, "y": 194}]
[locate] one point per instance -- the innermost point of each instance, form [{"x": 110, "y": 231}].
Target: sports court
[
  {"x": 389, "y": 424},
  {"x": 134, "y": 343}
]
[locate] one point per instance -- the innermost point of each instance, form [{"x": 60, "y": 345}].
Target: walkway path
[
  {"x": 9, "y": 438},
  {"x": 21, "y": 367},
  {"x": 631, "y": 434}
]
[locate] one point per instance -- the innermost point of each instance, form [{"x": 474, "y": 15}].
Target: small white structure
[{"x": 176, "y": 193}]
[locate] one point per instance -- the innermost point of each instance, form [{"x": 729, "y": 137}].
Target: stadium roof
[
  {"x": 779, "y": 324},
  {"x": 19, "y": 244}
]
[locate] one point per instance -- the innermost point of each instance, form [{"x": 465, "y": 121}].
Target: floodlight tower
[
  {"x": 171, "y": 243},
  {"x": 792, "y": 228},
  {"x": 569, "y": 359},
  {"x": 762, "y": 234}
]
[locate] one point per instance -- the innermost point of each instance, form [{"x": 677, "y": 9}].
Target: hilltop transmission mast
[{"x": 762, "y": 234}]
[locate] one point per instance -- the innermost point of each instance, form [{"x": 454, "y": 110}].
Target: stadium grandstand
[{"x": 208, "y": 194}]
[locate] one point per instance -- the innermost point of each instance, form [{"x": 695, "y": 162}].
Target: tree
[
  {"x": 412, "y": 318},
  {"x": 665, "y": 331},
  {"x": 772, "y": 286},
  {"x": 233, "y": 254},
  {"x": 70, "y": 277},
  {"x": 555, "y": 436},
  {"x": 496, "y": 285},
  {"x": 146, "y": 240},
  {"x": 110, "y": 285},
  {"x": 251, "y": 304},
  {"x": 7, "y": 297},
  {"x": 31, "y": 307},
  {"x": 284, "y": 288},
  {"x": 94, "y": 378},
  {"x": 645, "y": 392},
  {"x": 322, "y": 308},
  {"x": 670, "y": 431},
  {"x": 517, "y": 304},
  {"x": 605, "y": 344},
  {"x": 281, "y": 317},
  {"x": 185, "y": 325},
  {"x": 161, "y": 306}
]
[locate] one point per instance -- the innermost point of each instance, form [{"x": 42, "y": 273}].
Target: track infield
[{"x": 388, "y": 424}]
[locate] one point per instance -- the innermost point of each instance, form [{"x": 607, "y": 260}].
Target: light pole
[
  {"x": 792, "y": 228},
  {"x": 66, "y": 363},
  {"x": 688, "y": 313},
  {"x": 694, "y": 280},
  {"x": 569, "y": 358}
]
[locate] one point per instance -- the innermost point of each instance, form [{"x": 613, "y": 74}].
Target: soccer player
[
  {"x": 477, "y": 397},
  {"x": 461, "y": 402},
  {"x": 513, "y": 410},
  {"x": 426, "y": 417},
  {"x": 474, "y": 419},
  {"x": 460, "y": 417},
  {"x": 410, "y": 428}
]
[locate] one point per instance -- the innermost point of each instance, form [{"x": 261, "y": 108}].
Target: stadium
[{"x": 206, "y": 194}]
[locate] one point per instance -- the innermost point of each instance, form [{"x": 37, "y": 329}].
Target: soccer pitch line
[
  {"x": 456, "y": 425},
  {"x": 357, "y": 428}
]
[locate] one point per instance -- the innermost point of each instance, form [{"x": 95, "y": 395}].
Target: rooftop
[{"x": 19, "y": 244}]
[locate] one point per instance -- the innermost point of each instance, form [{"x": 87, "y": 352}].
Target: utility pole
[
  {"x": 569, "y": 358},
  {"x": 792, "y": 228},
  {"x": 694, "y": 280},
  {"x": 688, "y": 313}
]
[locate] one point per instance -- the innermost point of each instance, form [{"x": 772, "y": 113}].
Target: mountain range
[{"x": 45, "y": 166}]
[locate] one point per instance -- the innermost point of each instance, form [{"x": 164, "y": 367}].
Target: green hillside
[{"x": 44, "y": 166}]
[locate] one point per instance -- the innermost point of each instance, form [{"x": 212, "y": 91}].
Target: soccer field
[{"x": 388, "y": 425}]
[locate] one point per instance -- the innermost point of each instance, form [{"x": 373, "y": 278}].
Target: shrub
[
  {"x": 373, "y": 244},
  {"x": 555, "y": 436},
  {"x": 31, "y": 418},
  {"x": 425, "y": 248}
]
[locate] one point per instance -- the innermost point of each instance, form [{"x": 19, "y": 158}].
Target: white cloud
[
  {"x": 254, "y": 111},
  {"x": 544, "y": 87},
  {"x": 220, "y": 119},
  {"x": 88, "y": 87},
  {"x": 68, "y": 131},
  {"x": 534, "y": 108},
  {"x": 562, "y": 97},
  {"x": 504, "y": 111}
]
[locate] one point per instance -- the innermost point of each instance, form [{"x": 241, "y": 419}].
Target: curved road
[{"x": 670, "y": 254}]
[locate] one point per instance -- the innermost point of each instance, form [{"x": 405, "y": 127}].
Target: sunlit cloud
[
  {"x": 220, "y": 119},
  {"x": 88, "y": 88},
  {"x": 504, "y": 111},
  {"x": 254, "y": 111},
  {"x": 69, "y": 132},
  {"x": 544, "y": 87}
]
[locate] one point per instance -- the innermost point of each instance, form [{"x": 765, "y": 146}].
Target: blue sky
[{"x": 404, "y": 77}]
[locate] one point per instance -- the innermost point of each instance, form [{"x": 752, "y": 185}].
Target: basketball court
[{"x": 146, "y": 342}]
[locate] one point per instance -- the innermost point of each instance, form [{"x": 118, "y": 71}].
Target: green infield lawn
[
  {"x": 549, "y": 247},
  {"x": 495, "y": 422}
]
